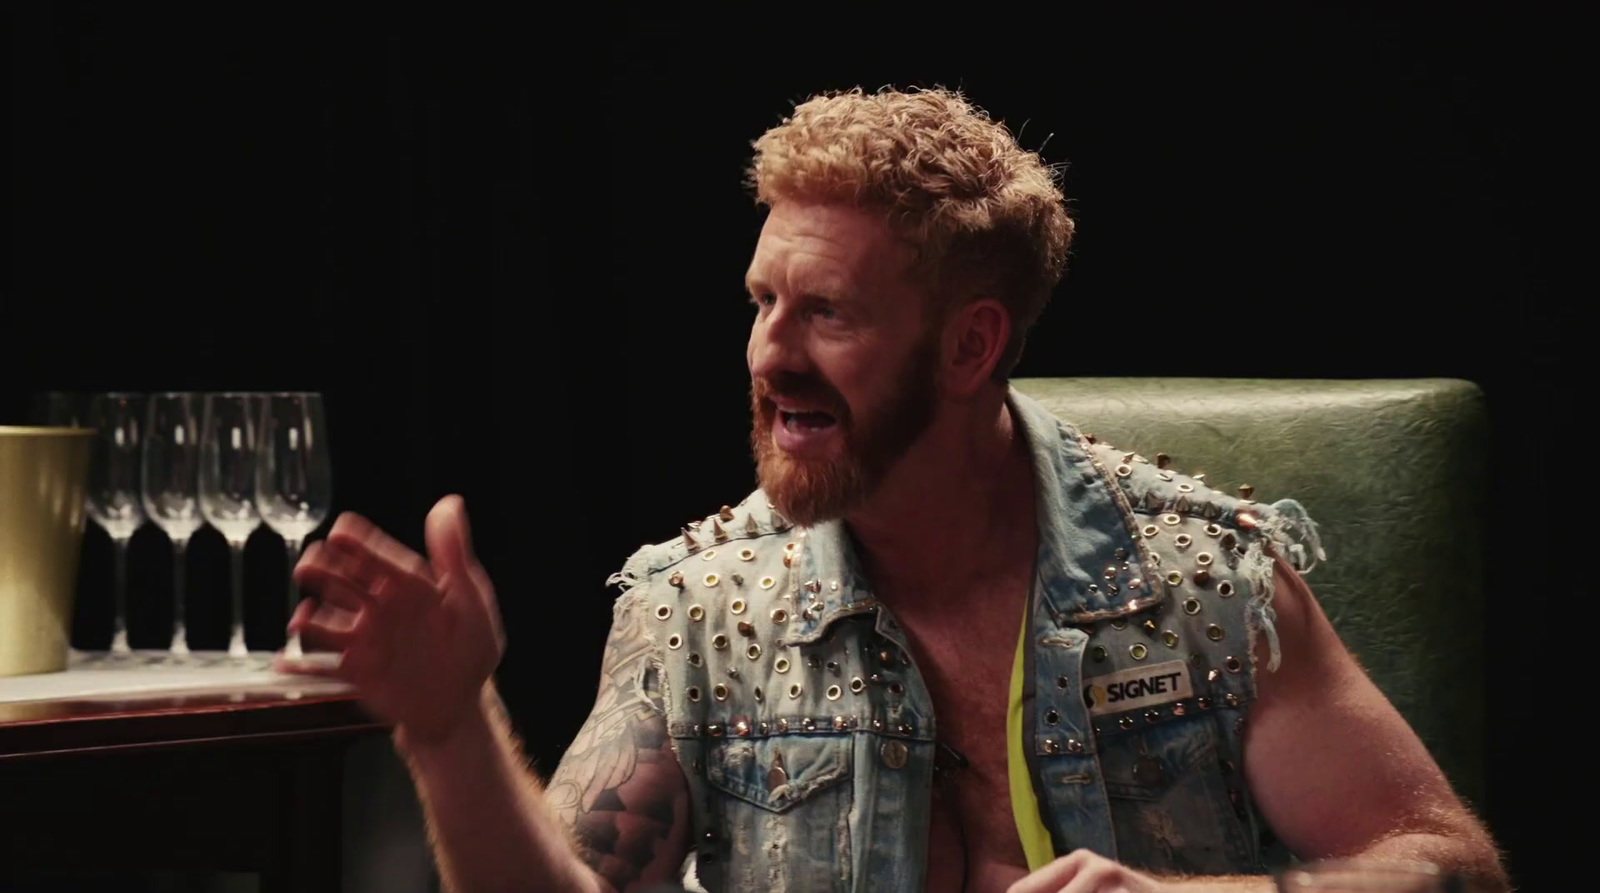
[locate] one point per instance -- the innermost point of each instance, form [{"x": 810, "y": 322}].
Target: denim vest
[{"x": 807, "y": 735}]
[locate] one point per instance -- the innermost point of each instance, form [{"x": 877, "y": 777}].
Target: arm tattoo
[{"x": 619, "y": 787}]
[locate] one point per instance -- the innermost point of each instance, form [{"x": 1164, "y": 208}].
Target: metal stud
[
  {"x": 1245, "y": 520},
  {"x": 1213, "y": 674},
  {"x": 742, "y": 728},
  {"x": 753, "y": 652},
  {"x": 1098, "y": 652},
  {"x": 1149, "y": 626},
  {"x": 856, "y": 685},
  {"x": 1214, "y": 633},
  {"x": 1162, "y": 460},
  {"x": 1202, "y": 577},
  {"x": 1246, "y": 491},
  {"x": 1231, "y": 699},
  {"x": 1137, "y": 651},
  {"x": 1063, "y": 683},
  {"x": 750, "y": 526},
  {"x": 1228, "y": 540},
  {"x": 738, "y": 579},
  {"x": 688, "y": 540},
  {"x": 1169, "y": 638},
  {"x": 714, "y": 729},
  {"x": 833, "y": 667},
  {"x": 1110, "y": 572},
  {"x": 1152, "y": 715},
  {"x": 725, "y": 513},
  {"x": 1233, "y": 664},
  {"x": 695, "y": 659},
  {"x": 813, "y": 661},
  {"x": 1150, "y": 530},
  {"x": 733, "y": 672},
  {"x": 719, "y": 691},
  {"x": 675, "y": 580},
  {"x": 886, "y": 657},
  {"x": 781, "y": 665},
  {"x": 833, "y": 692},
  {"x": 1179, "y": 709},
  {"x": 783, "y": 725},
  {"x": 1124, "y": 470},
  {"x": 1174, "y": 578},
  {"x": 1191, "y": 605},
  {"x": 663, "y": 612},
  {"x": 1121, "y": 554},
  {"x": 1125, "y": 723},
  {"x": 767, "y": 583},
  {"x": 841, "y": 723},
  {"x": 1129, "y": 456},
  {"x": 746, "y": 629},
  {"x": 694, "y": 693},
  {"x": 1225, "y": 589},
  {"x": 1199, "y": 476},
  {"x": 1074, "y": 745},
  {"x": 717, "y": 533},
  {"x": 813, "y": 586},
  {"x": 788, "y": 559},
  {"x": 697, "y": 613},
  {"x": 833, "y": 585},
  {"x": 779, "y": 615},
  {"x": 719, "y": 642},
  {"x": 897, "y": 688},
  {"x": 712, "y": 580},
  {"x": 1051, "y": 745},
  {"x": 1171, "y": 519},
  {"x": 1204, "y": 702},
  {"x": 674, "y": 641},
  {"x": 736, "y": 606},
  {"x": 794, "y": 691},
  {"x": 1182, "y": 540}
]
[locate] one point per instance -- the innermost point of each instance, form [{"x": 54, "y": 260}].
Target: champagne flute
[
  {"x": 294, "y": 477},
  {"x": 228, "y": 488},
  {"x": 172, "y": 488},
  {"x": 113, "y": 499}
]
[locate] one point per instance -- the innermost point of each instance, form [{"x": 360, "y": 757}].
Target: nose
[{"x": 776, "y": 345}]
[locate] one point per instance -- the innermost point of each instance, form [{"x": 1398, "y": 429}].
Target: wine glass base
[
  {"x": 180, "y": 643},
  {"x": 236, "y": 647},
  {"x": 292, "y": 650},
  {"x": 119, "y": 643}
]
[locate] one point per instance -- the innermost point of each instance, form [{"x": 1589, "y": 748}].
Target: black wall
[{"x": 510, "y": 255}]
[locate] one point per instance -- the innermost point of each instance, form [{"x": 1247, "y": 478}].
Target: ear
[{"x": 975, "y": 337}]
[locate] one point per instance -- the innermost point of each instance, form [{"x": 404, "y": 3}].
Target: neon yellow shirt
[{"x": 1024, "y": 805}]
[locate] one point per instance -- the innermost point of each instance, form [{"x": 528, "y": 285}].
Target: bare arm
[{"x": 1336, "y": 770}]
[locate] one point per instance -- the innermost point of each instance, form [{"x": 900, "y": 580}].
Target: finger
[
  {"x": 338, "y": 590},
  {"x": 320, "y": 667},
  {"x": 302, "y": 613},
  {"x": 330, "y": 635},
  {"x": 381, "y": 554},
  {"x": 449, "y": 538},
  {"x": 1100, "y": 877},
  {"x": 1052, "y": 877}
]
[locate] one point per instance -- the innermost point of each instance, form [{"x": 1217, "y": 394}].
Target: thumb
[{"x": 449, "y": 538}]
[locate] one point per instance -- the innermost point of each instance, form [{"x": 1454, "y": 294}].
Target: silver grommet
[
  {"x": 712, "y": 580},
  {"x": 1233, "y": 664},
  {"x": 1231, "y": 699},
  {"x": 1213, "y": 530},
  {"x": 1137, "y": 651},
  {"x": 856, "y": 685},
  {"x": 1203, "y": 559},
  {"x": 1191, "y": 606},
  {"x": 719, "y": 642},
  {"x": 747, "y": 555},
  {"x": 1214, "y": 633},
  {"x": 833, "y": 692},
  {"x": 736, "y": 606},
  {"x": 694, "y": 659},
  {"x": 719, "y": 691},
  {"x": 767, "y": 582},
  {"x": 663, "y": 612},
  {"x": 1169, "y": 638},
  {"x": 794, "y": 691},
  {"x": 1124, "y": 470},
  {"x": 1098, "y": 652},
  {"x": 1174, "y": 578},
  {"x": 694, "y": 693},
  {"x": 1171, "y": 519},
  {"x": 781, "y": 665},
  {"x": 674, "y": 641},
  {"x": 697, "y": 613},
  {"x": 1119, "y": 624},
  {"x": 1182, "y": 540},
  {"x": 1150, "y": 530},
  {"x": 753, "y": 652},
  {"x": 1225, "y": 589},
  {"x": 779, "y": 615},
  {"x": 1185, "y": 488},
  {"x": 708, "y": 554}
]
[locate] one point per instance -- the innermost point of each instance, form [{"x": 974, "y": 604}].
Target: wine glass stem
[
  {"x": 180, "y": 633},
  {"x": 292, "y": 546},
  {"x": 119, "y": 582},
  {"x": 236, "y": 554}
]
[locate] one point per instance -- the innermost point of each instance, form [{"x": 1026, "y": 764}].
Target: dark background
[{"x": 510, "y": 255}]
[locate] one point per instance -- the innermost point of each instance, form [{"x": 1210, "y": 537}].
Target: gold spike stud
[
  {"x": 717, "y": 533},
  {"x": 1163, "y": 460},
  {"x": 751, "y": 528},
  {"x": 688, "y": 540},
  {"x": 676, "y": 580},
  {"x": 746, "y": 629},
  {"x": 1089, "y": 436},
  {"x": 1199, "y": 476},
  {"x": 1246, "y": 491},
  {"x": 725, "y": 513}
]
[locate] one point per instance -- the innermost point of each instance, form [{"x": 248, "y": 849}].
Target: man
[{"x": 951, "y": 643}]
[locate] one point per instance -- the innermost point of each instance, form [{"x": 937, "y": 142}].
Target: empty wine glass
[
  {"x": 114, "y": 487},
  {"x": 172, "y": 488},
  {"x": 58, "y": 409},
  {"x": 228, "y": 488},
  {"x": 294, "y": 476}
]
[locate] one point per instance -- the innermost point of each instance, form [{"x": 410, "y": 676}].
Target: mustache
[{"x": 799, "y": 388}]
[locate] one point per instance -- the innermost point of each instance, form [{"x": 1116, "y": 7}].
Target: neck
[{"x": 958, "y": 507}]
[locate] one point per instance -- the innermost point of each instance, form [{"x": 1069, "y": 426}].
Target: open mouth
[{"x": 807, "y": 421}]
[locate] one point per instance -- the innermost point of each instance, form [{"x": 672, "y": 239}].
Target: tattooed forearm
[{"x": 619, "y": 787}]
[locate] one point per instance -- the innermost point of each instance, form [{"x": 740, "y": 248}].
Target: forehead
[{"x": 826, "y": 246}]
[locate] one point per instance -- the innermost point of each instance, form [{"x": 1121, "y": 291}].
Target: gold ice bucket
[{"x": 44, "y": 477}]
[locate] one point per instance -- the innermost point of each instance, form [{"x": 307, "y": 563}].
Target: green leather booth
[{"x": 1394, "y": 472}]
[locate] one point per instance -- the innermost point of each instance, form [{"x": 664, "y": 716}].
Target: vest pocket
[
  {"x": 1169, "y": 799},
  {"x": 784, "y": 807}
]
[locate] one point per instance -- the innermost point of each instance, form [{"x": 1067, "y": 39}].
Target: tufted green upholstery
[{"x": 1395, "y": 474}]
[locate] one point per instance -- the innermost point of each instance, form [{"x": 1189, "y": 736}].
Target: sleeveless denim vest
[{"x": 807, "y": 736}]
